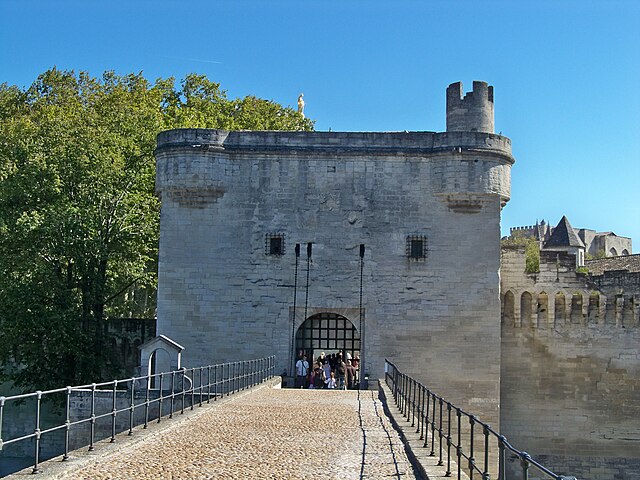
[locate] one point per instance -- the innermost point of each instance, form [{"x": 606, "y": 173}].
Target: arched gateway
[{"x": 329, "y": 333}]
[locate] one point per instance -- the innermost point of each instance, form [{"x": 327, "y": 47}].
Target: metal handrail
[
  {"x": 219, "y": 379},
  {"x": 429, "y": 411}
]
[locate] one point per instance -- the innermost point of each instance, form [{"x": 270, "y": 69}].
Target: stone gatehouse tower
[{"x": 423, "y": 209}]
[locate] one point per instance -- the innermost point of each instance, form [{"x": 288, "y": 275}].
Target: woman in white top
[{"x": 331, "y": 381}]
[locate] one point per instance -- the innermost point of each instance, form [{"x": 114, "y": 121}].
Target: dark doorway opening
[{"x": 329, "y": 333}]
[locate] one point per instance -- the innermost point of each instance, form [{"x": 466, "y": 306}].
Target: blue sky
[{"x": 566, "y": 75}]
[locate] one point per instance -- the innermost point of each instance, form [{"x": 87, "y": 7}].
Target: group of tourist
[{"x": 335, "y": 371}]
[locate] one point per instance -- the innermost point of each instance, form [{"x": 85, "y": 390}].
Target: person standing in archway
[
  {"x": 355, "y": 363},
  {"x": 341, "y": 369},
  {"x": 302, "y": 367},
  {"x": 350, "y": 374}
]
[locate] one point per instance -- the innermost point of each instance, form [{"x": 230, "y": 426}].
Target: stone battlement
[
  {"x": 527, "y": 227},
  {"x": 473, "y": 112}
]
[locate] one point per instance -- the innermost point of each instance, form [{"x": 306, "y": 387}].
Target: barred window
[
  {"x": 274, "y": 244},
  {"x": 417, "y": 247}
]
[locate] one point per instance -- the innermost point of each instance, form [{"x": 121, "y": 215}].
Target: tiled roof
[
  {"x": 564, "y": 236},
  {"x": 631, "y": 263}
]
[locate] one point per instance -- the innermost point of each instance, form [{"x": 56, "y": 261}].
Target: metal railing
[
  {"x": 477, "y": 448},
  {"x": 138, "y": 399}
]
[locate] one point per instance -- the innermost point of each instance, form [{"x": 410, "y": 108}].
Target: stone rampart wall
[
  {"x": 570, "y": 370},
  {"x": 570, "y": 395}
]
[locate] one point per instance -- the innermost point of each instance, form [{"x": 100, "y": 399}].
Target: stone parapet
[
  {"x": 197, "y": 165},
  {"x": 383, "y": 143}
]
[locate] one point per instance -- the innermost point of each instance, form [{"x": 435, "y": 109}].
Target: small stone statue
[{"x": 301, "y": 104}]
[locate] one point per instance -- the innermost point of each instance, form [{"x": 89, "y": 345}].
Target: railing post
[
  {"x": 459, "y": 445},
  {"x": 421, "y": 424},
  {"x": 160, "y": 399},
  {"x": 448, "y": 473},
  {"x": 146, "y": 401},
  {"x": 524, "y": 461},
  {"x": 93, "y": 415},
  {"x": 67, "y": 422},
  {"x": 132, "y": 405},
  {"x": 403, "y": 395},
  {"x": 114, "y": 411},
  {"x": 413, "y": 404},
  {"x": 208, "y": 383},
  {"x": 2, "y": 401},
  {"x": 426, "y": 435},
  {"x": 193, "y": 387},
  {"x": 200, "y": 387},
  {"x": 472, "y": 460},
  {"x": 502, "y": 458},
  {"x": 184, "y": 392},
  {"x": 37, "y": 433},
  {"x": 433, "y": 426},
  {"x": 215, "y": 382},
  {"x": 407, "y": 393},
  {"x": 408, "y": 400},
  {"x": 222, "y": 380},
  {"x": 173, "y": 393},
  {"x": 485, "y": 471},
  {"x": 440, "y": 401},
  {"x": 394, "y": 386}
]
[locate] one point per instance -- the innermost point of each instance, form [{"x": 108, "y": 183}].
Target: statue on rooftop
[{"x": 301, "y": 104}]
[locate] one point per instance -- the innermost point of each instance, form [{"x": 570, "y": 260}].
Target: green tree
[
  {"x": 79, "y": 220},
  {"x": 531, "y": 250}
]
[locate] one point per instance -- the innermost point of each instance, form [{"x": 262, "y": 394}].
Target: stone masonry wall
[
  {"x": 569, "y": 395},
  {"x": 223, "y": 298},
  {"x": 570, "y": 373}
]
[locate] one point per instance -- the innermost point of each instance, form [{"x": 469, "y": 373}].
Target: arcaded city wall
[{"x": 570, "y": 374}]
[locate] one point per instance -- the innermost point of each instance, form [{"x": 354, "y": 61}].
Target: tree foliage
[
  {"x": 531, "y": 250},
  {"x": 79, "y": 221}
]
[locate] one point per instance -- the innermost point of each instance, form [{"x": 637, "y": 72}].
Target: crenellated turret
[{"x": 471, "y": 113}]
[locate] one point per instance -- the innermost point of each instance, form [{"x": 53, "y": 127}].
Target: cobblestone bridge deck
[{"x": 267, "y": 433}]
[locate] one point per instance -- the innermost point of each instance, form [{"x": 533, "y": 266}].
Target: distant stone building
[
  {"x": 594, "y": 243},
  {"x": 608, "y": 243},
  {"x": 563, "y": 238}
]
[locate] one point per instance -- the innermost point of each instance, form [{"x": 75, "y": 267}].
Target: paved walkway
[{"x": 269, "y": 433}]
